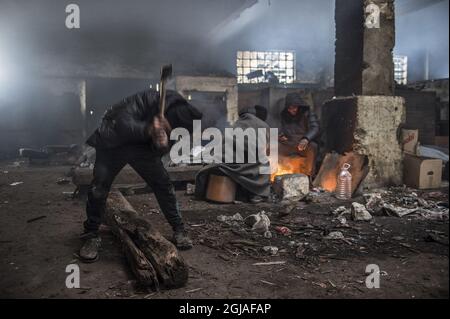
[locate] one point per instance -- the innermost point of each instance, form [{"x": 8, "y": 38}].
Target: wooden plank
[{"x": 331, "y": 166}]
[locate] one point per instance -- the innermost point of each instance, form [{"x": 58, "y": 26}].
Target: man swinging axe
[{"x": 136, "y": 132}]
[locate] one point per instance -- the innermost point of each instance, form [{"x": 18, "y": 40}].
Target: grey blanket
[{"x": 246, "y": 175}]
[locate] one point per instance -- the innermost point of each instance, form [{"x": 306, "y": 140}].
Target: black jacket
[
  {"x": 127, "y": 122},
  {"x": 304, "y": 125}
]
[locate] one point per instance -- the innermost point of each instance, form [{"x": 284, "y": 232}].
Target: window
[
  {"x": 266, "y": 66},
  {"x": 401, "y": 69}
]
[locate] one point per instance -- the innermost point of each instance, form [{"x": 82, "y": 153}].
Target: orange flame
[{"x": 287, "y": 166}]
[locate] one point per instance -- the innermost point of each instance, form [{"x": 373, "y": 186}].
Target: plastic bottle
[{"x": 344, "y": 183}]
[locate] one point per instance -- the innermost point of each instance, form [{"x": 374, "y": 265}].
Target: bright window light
[
  {"x": 401, "y": 69},
  {"x": 266, "y": 66}
]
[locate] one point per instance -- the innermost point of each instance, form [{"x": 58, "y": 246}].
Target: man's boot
[
  {"x": 89, "y": 250},
  {"x": 181, "y": 240}
]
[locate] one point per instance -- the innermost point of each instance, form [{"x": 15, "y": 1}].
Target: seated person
[
  {"x": 299, "y": 130},
  {"x": 251, "y": 185}
]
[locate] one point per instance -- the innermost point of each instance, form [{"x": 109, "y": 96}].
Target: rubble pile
[{"x": 403, "y": 201}]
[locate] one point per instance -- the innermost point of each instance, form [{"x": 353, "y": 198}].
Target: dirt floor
[{"x": 35, "y": 252}]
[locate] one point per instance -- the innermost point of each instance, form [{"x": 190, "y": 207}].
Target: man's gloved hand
[
  {"x": 159, "y": 131},
  {"x": 303, "y": 145}
]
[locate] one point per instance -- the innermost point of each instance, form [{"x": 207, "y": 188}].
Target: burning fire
[{"x": 287, "y": 166}]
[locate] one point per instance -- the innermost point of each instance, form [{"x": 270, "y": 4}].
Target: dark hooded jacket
[
  {"x": 304, "y": 125},
  {"x": 126, "y": 123}
]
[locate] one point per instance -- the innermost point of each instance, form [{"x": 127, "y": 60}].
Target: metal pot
[{"x": 221, "y": 189}]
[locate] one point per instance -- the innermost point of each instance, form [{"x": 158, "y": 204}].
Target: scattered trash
[
  {"x": 194, "y": 290},
  {"x": 432, "y": 238},
  {"x": 321, "y": 285},
  {"x": 36, "y": 219},
  {"x": 404, "y": 201},
  {"x": 234, "y": 220},
  {"x": 283, "y": 230},
  {"x": 268, "y": 234},
  {"x": 69, "y": 194},
  {"x": 300, "y": 252},
  {"x": 374, "y": 203},
  {"x": 268, "y": 282},
  {"x": 271, "y": 263},
  {"x": 15, "y": 183},
  {"x": 342, "y": 220},
  {"x": 63, "y": 181},
  {"x": 190, "y": 189},
  {"x": 259, "y": 223},
  {"x": 335, "y": 235},
  {"x": 341, "y": 210},
  {"x": 272, "y": 250},
  {"x": 360, "y": 213},
  {"x": 332, "y": 284}
]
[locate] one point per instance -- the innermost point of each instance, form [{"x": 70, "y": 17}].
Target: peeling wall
[{"x": 368, "y": 125}]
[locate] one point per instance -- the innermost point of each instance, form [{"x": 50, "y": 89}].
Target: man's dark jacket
[
  {"x": 127, "y": 122},
  {"x": 304, "y": 125}
]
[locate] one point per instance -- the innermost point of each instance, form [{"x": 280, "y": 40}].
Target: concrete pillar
[
  {"x": 365, "y": 117},
  {"x": 365, "y": 39}
]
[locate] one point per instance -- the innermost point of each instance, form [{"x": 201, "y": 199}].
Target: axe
[
  {"x": 166, "y": 72},
  {"x": 159, "y": 135}
]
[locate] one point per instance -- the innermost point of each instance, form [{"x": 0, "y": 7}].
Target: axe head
[{"x": 166, "y": 72}]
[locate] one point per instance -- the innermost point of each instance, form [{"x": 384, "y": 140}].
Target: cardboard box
[
  {"x": 410, "y": 140},
  {"x": 422, "y": 173}
]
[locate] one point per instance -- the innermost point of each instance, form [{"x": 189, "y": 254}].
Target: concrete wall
[
  {"x": 369, "y": 126},
  {"x": 421, "y": 113},
  {"x": 228, "y": 85},
  {"x": 44, "y": 111}
]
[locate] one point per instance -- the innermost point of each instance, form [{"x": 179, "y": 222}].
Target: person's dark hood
[
  {"x": 179, "y": 112},
  {"x": 297, "y": 100}
]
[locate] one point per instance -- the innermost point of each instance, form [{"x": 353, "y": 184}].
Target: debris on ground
[
  {"x": 190, "y": 189},
  {"x": 15, "y": 183},
  {"x": 63, "y": 181},
  {"x": 404, "y": 201},
  {"x": 335, "y": 235},
  {"x": 271, "y": 263},
  {"x": 360, "y": 213},
  {"x": 230, "y": 220},
  {"x": 272, "y": 250},
  {"x": 259, "y": 223},
  {"x": 283, "y": 230},
  {"x": 36, "y": 219},
  {"x": 341, "y": 210}
]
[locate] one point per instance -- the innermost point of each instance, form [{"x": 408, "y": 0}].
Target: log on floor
[{"x": 153, "y": 259}]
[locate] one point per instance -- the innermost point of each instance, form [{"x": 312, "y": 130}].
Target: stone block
[{"x": 292, "y": 186}]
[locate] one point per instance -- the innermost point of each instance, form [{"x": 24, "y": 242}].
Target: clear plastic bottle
[{"x": 344, "y": 183}]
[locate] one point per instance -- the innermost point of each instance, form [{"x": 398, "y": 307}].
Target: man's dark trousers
[{"x": 148, "y": 164}]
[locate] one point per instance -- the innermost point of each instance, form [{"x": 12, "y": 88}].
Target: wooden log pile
[{"x": 154, "y": 260}]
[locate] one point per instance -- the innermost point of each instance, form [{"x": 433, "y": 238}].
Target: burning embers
[{"x": 288, "y": 165}]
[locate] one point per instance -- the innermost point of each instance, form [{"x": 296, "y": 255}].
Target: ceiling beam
[{"x": 234, "y": 22}]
